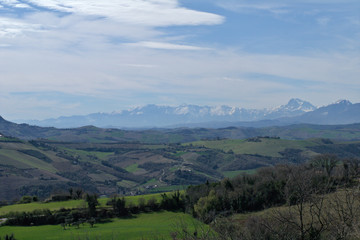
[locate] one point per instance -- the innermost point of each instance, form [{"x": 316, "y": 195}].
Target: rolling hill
[
  {"x": 44, "y": 167},
  {"x": 91, "y": 134}
]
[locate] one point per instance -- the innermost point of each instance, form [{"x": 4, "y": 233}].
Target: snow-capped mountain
[
  {"x": 296, "y": 105},
  {"x": 162, "y": 116},
  {"x": 340, "y": 112}
]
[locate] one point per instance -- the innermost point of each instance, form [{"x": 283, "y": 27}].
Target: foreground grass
[{"x": 157, "y": 225}]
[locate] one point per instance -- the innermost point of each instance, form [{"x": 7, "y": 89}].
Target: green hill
[{"x": 44, "y": 167}]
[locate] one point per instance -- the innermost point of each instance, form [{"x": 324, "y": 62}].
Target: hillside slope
[{"x": 44, "y": 167}]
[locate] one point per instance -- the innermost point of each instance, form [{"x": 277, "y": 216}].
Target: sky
[{"x": 75, "y": 57}]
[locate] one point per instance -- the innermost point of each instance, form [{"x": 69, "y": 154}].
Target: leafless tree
[
  {"x": 343, "y": 214},
  {"x": 303, "y": 217}
]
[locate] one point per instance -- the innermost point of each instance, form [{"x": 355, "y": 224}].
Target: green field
[
  {"x": 181, "y": 188},
  {"x": 132, "y": 168},
  {"x": 267, "y": 146},
  {"x": 12, "y": 157},
  {"x": 29, "y": 207},
  {"x": 143, "y": 226},
  {"x": 231, "y": 174}
]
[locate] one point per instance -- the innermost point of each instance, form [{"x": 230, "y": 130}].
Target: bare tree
[
  {"x": 325, "y": 162},
  {"x": 303, "y": 217},
  {"x": 343, "y": 214}
]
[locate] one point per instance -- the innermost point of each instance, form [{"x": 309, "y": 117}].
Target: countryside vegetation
[{"x": 261, "y": 187}]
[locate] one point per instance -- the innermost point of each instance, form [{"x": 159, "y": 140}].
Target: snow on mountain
[
  {"x": 293, "y": 108},
  {"x": 340, "y": 112},
  {"x": 161, "y": 116}
]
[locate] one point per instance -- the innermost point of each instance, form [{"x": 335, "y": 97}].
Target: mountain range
[{"x": 294, "y": 112}]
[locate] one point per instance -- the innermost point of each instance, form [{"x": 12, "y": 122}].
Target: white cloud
[
  {"x": 14, "y": 3},
  {"x": 102, "y": 23},
  {"x": 164, "y": 45},
  {"x": 113, "y": 50},
  {"x": 143, "y": 12},
  {"x": 9, "y": 2},
  {"x": 219, "y": 77},
  {"x": 22, "y": 5},
  {"x": 10, "y": 27},
  {"x": 96, "y": 73}
]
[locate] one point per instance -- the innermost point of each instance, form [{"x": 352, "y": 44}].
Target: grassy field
[
  {"x": 12, "y": 157},
  {"x": 71, "y": 204},
  {"x": 181, "y": 188},
  {"x": 132, "y": 168},
  {"x": 29, "y": 207},
  {"x": 231, "y": 174},
  {"x": 143, "y": 226},
  {"x": 267, "y": 146}
]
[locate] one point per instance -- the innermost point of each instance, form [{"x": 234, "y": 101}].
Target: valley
[
  {"x": 228, "y": 178},
  {"x": 44, "y": 167}
]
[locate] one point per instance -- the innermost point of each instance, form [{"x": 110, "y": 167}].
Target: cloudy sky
[{"x": 67, "y": 57}]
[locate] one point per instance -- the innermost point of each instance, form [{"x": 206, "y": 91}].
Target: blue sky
[{"x": 67, "y": 57}]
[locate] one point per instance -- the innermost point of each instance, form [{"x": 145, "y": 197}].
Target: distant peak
[
  {"x": 296, "y": 104},
  {"x": 296, "y": 101},
  {"x": 343, "y": 102}
]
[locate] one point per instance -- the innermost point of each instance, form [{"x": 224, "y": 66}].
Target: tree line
[
  {"x": 116, "y": 207},
  {"x": 316, "y": 200}
]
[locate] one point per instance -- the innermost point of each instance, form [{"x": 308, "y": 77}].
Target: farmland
[{"x": 45, "y": 167}]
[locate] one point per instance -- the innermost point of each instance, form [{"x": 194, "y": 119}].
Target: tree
[
  {"x": 351, "y": 168},
  {"x": 343, "y": 214},
  {"x": 71, "y": 192},
  {"x": 152, "y": 204},
  {"x": 325, "y": 162},
  {"x": 141, "y": 204},
  {"x": 304, "y": 217},
  {"x": 119, "y": 206},
  {"x": 78, "y": 193},
  {"x": 206, "y": 207},
  {"x": 92, "y": 203},
  {"x": 26, "y": 199}
]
